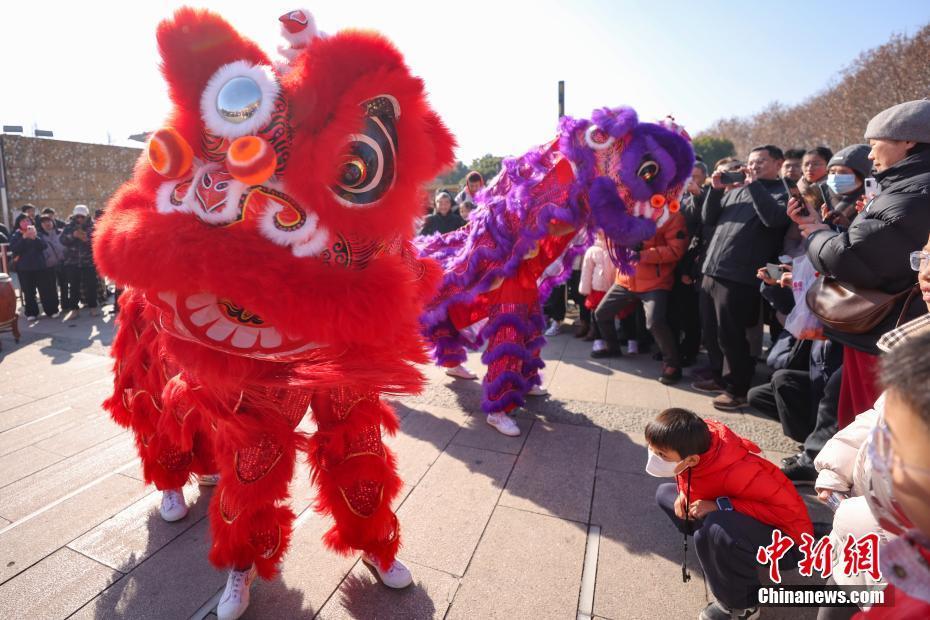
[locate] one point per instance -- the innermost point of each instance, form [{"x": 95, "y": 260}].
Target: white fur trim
[
  {"x": 262, "y": 75},
  {"x": 662, "y": 218},
  {"x": 163, "y": 202},
  {"x": 289, "y": 53},
  {"x": 284, "y": 237},
  {"x": 595, "y": 145},
  {"x": 317, "y": 243}
]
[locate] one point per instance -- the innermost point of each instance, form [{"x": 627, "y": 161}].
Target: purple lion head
[{"x": 636, "y": 172}]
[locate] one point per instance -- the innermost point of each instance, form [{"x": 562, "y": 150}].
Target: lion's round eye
[
  {"x": 239, "y": 99},
  {"x": 648, "y": 170},
  {"x": 353, "y": 173}
]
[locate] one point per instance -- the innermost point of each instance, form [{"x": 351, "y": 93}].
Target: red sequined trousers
[
  {"x": 355, "y": 475},
  {"x": 514, "y": 334},
  {"x": 169, "y": 453}
]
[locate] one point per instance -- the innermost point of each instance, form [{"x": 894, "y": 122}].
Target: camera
[{"x": 731, "y": 178}]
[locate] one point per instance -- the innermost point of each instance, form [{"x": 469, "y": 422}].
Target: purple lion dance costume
[{"x": 611, "y": 173}]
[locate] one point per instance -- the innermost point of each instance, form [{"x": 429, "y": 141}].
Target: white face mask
[{"x": 659, "y": 467}]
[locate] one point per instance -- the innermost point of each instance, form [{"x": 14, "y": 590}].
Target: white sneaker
[
  {"x": 397, "y": 576},
  {"x": 235, "y": 599},
  {"x": 460, "y": 372},
  {"x": 538, "y": 391},
  {"x": 72, "y": 314},
  {"x": 32, "y": 317},
  {"x": 599, "y": 345},
  {"x": 632, "y": 347},
  {"x": 554, "y": 329},
  {"x": 504, "y": 424},
  {"x": 208, "y": 480},
  {"x": 173, "y": 507}
]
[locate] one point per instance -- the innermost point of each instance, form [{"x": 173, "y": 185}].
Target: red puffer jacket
[{"x": 733, "y": 468}]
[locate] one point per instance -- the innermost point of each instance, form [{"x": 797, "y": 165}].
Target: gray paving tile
[
  {"x": 21, "y": 463},
  {"x": 173, "y": 583},
  {"x": 622, "y": 452},
  {"x": 477, "y": 433},
  {"x": 638, "y": 394},
  {"x": 442, "y": 519},
  {"x": 85, "y": 436},
  {"x": 554, "y": 473},
  {"x": 424, "y": 434},
  {"x": 310, "y": 573},
  {"x": 28, "y": 543},
  {"x": 133, "y": 535},
  {"x": 527, "y": 566},
  {"x": 639, "y": 546},
  {"x": 86, "y": 397},
  {"x": 11, "y": 400},
  {"x": 55, "y": 587},
  {"x": 361, "y": 596},
  {"x": 578, "y": 383},
  {"x": 34, "y": 491}
]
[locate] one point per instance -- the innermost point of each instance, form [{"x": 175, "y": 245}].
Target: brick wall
[{"x": 59, "y": 174}]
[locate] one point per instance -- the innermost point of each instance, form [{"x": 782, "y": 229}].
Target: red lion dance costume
[{"x": 264, "y": 244}]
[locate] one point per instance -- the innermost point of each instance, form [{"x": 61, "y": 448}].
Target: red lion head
[{"x": 271, "y": 215}]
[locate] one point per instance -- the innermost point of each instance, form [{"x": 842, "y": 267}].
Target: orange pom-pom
[
  {"x": 251, "y": 159},
  {"x": 657, "y": 201},
  {"x": 674, "y": 206},
  {"x": 169, "y": 153}
]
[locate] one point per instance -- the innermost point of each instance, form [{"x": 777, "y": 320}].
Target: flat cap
[{"x": 909, "y": 121}]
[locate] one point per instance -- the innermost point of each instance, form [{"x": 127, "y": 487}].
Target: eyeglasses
[
  {"x": 883, "y": 456},
  {"x": 919, "y": 259}
]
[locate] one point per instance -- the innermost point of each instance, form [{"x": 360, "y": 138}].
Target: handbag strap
[{"x": 907, "y": 304}]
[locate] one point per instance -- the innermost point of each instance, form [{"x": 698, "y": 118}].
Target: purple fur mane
[{"x": 515, "y": 210}]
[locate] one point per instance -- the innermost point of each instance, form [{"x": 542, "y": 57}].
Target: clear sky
[{"x": 86, "y": 69}]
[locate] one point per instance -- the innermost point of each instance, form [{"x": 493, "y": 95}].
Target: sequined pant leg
[
  {"x": 508, "y": 332},
  {"x": 356, "y": 475},
  {"x": 534, "y": 344},
  {"x": 255, "y": 452}
]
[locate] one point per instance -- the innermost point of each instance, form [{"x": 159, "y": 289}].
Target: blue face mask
[{"x": 841, "y": 183}]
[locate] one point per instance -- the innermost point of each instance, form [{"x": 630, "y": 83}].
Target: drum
[
  {"x": 9, "y": 321},
  {"x": 7, "y": 299}
]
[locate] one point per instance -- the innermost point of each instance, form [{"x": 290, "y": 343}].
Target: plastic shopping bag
[{"x": 802, "y": 323}]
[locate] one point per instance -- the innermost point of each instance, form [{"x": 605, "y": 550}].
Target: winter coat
[
  {"x": 750, "y": 224},
  {"x": 28, "y": 254},
  {"x": 658, "y": 258},
  {"x": 732, "y": 467},
  {"x": 54, "y": 249},
  {"x": 843, "y": 464},
  {"x": 873, "y": 252},
  {"x": 437, "y": 223},
  {"x": 700, "y": 233},
  {"x": 78, "y": 253},
  {"x": 597, "y": 270}
]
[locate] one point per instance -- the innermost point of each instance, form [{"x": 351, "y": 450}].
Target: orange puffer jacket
[
  {"x": 733, "y": 467},
  {"x": 657, "y": 260}
]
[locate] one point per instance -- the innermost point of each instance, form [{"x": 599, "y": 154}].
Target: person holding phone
[
  {"x": 77, "y": 237},
  {"x": 845, "y": 184},
  {"x": 872, "y": 253},
  {"x": 750, "y": 221},
  {"x": 29, "y": 258}
]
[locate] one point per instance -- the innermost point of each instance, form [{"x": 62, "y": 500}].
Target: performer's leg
[
  {"x": 449, "y": 350},
  {"x": 356, "y": 475},
  {"x": 255, "y": 451},
  {"x": 534, "y": 344},
  {"x": 508, "y": 332}
]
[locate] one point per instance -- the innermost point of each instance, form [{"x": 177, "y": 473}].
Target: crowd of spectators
[{"x": 54, "y": 262}]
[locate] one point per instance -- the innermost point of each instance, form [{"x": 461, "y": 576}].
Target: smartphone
[
  {"x": 834, "y": 499},
  {"x": 774, "y": 271},
  {"x": 872, "y": 188},
  {"x": 724, "y": 503},
  {"x": 731, "y": 178},
  {"x": 825, "y": 194},
  {"x": 795, "y": 193}
]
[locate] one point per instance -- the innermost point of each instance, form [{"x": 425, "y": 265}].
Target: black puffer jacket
[
  {"x": 29, "y": 254},
  {"x": 438, "y": 223},
  {"x": 750, "y": 229},
  {"x": 691, "y": 207},
  {"x": 873, "y": 252}
]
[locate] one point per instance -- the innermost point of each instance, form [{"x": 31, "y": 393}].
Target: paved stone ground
[{"x": 494, "y": 527}]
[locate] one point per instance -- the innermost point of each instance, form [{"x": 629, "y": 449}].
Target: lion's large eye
[
  {"x": 648, "y": 170},
  {"x": 368, "y": 169},
  {"x": 239, "y": 99}
]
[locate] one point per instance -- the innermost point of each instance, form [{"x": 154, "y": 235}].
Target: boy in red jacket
[{"x": 737, "y": 498}]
